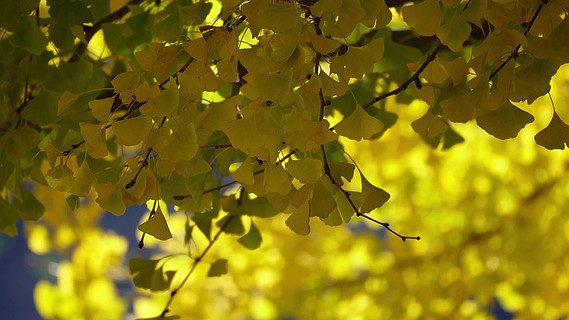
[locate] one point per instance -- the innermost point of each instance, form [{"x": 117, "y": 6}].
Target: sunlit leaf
[
  {"x": 132, "y": 131},
  {"x": 424, "y": 17},
  {"x": 95, "y": 142},
  {"x": 110, "y": 198},
  {"x": 305, "y": 170},
  {"x": 101, "y": 108},
  {"x": 164, "y": 104}
]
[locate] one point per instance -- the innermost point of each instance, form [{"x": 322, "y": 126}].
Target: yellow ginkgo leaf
[
  {"x": 183, "y": 144},
  {"x": 126, "y": 81},
  {"x": 322, "y": 44},
  {"x": 83, "y": 180},
  {"x": 454, "y": 33},
  {"x": 243, "y": 172},
  {"x": 357, "y": 60},
  {"x": 424, "y": 17},
  {"x": 95, "y": 142},
  {"x": 130, "y": 132},
  {"x": 429, "y": 125},
  {"x": 305, "y": 170},
  {"x": 279, "y": 17},
  {"x": 505, "y": 122},
  {"x": 298, "y": 221},
  {"x": 197, "y": 48},
  {"x": 322, "y": 201},
  {"x": 101, "y": 108},
  {"x": 273, "y": 87},
  {"x": 372, "y": 196},
  {"x": 276, "y": 179},
  {"x": 164, "y": 104},
  {"x": 110, "y": 198},
  {"x": 156, "y": 226},
  {"x": 359, "y": 125}
]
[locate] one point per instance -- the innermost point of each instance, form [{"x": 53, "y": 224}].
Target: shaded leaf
[
  {"x": 555, "y": 135},
  {"x": 156, "y": 226},
  {"x": 505, "y": 122},
  {"x": 252, "y": 240},
  {"x": 218, "y": 268}
]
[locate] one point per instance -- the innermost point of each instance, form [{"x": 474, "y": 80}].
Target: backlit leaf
[
  {"x": 110, "y": 198},
  {"x": 132, "y": 131},
  {"x": 95, "y": 142},
  {"x": 555, "y": 135},
  {"x": 156, "y": 226},
  {"x": 252, "y": 240},
  {"x": 372, "y": 196},
  {"x": 505, "y": 122},
  {"x": 218, "y": 268},
  {"x": 244, "y": 172},
  {"x": 164, "y": 104},
  {"x": 101, "y": 108},
  {"x": 305, "y": 170},
  {"x": 298, "y": 221},
  {"x": 359, "y": 125}
]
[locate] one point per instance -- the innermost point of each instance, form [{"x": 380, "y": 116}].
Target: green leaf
[
  {"x": 218, "y": 268},
  {"x": 555, "y": 135},
  {"x": 359, "y": 125},
  {"x": 29, "y": 37},
  {"x": 232, "y": 223},
  {"x": 73, "y": 202},
  {"x": 156, "y": 226},
  {"x": 505, "y": 122},
  {"x": 252, "y": 240},
  {"x": 148, "y": 274}
]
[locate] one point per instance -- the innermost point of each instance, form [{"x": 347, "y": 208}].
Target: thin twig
[
  {"x": 196, "y": 261},
  {"x": 516, "y": 52},
  {"x": 413, "y": 79}
]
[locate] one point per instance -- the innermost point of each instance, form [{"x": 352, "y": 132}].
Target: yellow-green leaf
[
  {"x": 164, "y": 104},
  {"x": 298, "y": 221},
  {"x": 505, "y": 122},
  {"x": 429, "y": 125},
  {"x": 183, "y": 144},
  {"x": 101, "y": 108},
  {"x": 373, "y": 197},
  {"x": 110, "y": 198},
  {"x": 84, "y": 180},
  {"x": 95, "y": 142},
  {"x": 276, "y": 179},
  {"x": 218, "y": 268},
  {"x": 357, "y": 60},
  {"x": 156, "y": 226},
  {"x": 359, "y": 125},
  {"x": 243, "y": 172},
  {"x": 305, "y": 170},
  {"x": 555, "y": 135},
  {"x": 424, "y": 17},
  {"x": 252, "y": 240},
  {"x": 130, "y": 132},
  {"x": 279, "y": 17},
  {"x": 66, "y": 100}
]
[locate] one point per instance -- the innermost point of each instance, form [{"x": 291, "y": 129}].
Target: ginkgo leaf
[
  {"x": 322, "y": 44},
  {"x": 148, "y": 274},
  {"x": 331, "y": 87},
  {"x": 130, "y": 132},
  {"x": 298, "y": 221},
  {"x": 305, "y": 170},
  {"x": 359, "y": 125},
  {"x": 252, "y": 240},
  {"x": 377, "y": 14},
  {"x": 555, "y": 135},
  {"x": 110, "y": 198},
  {"x": 424, "y": 17},
  {"x": 29, "y": 36},
  {"x": 276, "y": 179},
  {"x": 349, "y": 14},
  {"x": 101, "y": 108},
  {"x": 429, "y": 125},
  {"x": 183, "y": 144},
  {"x": 372, "y": 196},
  {"x": 218, "y": 268},
  {"x": 243, "y": 172},
  {"x": 164, "y": 104},
  {"x": 273, "y": 87},
  {"x": 66, "y": 100},
  {"x": 454, "y": 33},
  {"x": 505, "y": 122},
  {"x": 60, "y": 177},
  {"x": 456, "y": 109},
  {"x": 83, "y": 180},
  {"x": 318, "y": 132},
  {"x": 279, "y": 17},
  {"x": 95, "y": 142},
  {"x": 156, "y": 226},
  {"x": 357, "y": 60},
  {"x": 197, "y": 48},
  {"x": 322, "y": 201},
  {"x": 126, "y": 81}
]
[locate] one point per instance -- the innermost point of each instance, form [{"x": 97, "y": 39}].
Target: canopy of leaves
[{"x": 231, "y": 111}]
